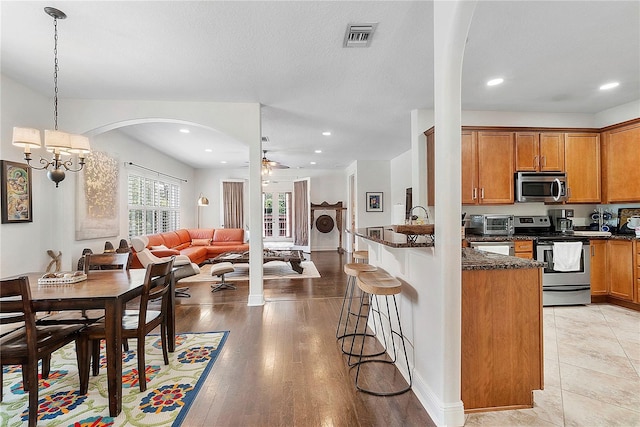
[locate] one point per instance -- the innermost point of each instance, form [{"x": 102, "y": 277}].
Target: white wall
[
  {"x": 373, "y": 176},
  {"x": 23, "y": 246},
  {"x": 618, "y": 114}
]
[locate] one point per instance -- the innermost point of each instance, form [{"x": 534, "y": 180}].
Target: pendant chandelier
[{"x": 56, "y": 142}]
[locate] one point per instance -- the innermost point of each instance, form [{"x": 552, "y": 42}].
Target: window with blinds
[{"x": 154, "y": 206}]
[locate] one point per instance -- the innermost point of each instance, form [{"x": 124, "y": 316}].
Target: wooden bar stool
[
  {"x": 374, "y": 285},
  {"x": 351, "y": 270},
  {"x": 360, "y": 256}
]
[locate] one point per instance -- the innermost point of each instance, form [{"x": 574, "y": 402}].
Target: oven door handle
[{"x": 573, "y": 289}]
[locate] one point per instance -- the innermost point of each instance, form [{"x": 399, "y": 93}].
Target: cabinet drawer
[
  {"x": 525, "y": 255},
  {"x": 523, "y": 245}
]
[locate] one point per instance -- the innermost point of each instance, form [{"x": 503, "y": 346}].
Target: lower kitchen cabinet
[
  {"x": 502, "y": 358},
  {"x": 598, "y": 260},
  {"x": 636, "y": 263},
  {"x": 524, "y": 248},
  {"x": 620, "y": 268}
]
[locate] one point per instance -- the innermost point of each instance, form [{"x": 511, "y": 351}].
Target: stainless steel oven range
[
  {"x": 558, "y": 287},
  {"x": 564, "y": 287}
]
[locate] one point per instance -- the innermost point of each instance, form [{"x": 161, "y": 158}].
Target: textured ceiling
[{"x": 288, "y": 56}]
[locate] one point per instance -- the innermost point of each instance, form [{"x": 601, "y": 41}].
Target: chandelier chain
[{"x": 55, "y": 73}]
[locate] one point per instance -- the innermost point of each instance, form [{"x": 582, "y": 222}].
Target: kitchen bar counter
[
  {"x": 480, "y": 260},
  {"x": 386, "y": 236}
]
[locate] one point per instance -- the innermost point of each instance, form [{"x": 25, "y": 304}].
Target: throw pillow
[
  {"x": 200, "y": 242},
  {"x": 159, "y": 248}
]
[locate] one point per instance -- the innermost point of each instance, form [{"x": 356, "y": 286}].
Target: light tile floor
[{"x": 591, "y": 371}]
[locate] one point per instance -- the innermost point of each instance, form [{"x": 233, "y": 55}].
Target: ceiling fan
[{"x": 269, "y": 165}]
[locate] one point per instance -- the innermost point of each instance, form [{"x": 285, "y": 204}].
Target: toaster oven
[{"x": 491, "y": 224}]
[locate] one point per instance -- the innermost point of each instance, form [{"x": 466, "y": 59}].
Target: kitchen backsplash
[{"x": 582, "y": 213}]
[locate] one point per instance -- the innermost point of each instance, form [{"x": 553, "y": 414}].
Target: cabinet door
[
  {"x": 620, "y": 267},
  {"x": 527, "y": 155},
  {"x": 621, "y": 160},
  {"x": 582, "y": 162},
  {"x": 598, "y": 267},
  {"x": 495, "y": 167},
  {"x": 636, "y": 251},
  {"x": 551, "y": 152},
  {"x": 469, "y": 161}
]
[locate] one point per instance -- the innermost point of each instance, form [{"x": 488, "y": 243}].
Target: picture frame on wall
[
  {"x": 374, "y": 201},
  {"x": 16, "y": 184}
]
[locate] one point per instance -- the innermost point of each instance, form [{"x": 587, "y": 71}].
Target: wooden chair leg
[
  {"x": 46, "y": 366},
  {"x": 163, "y": 335},
  {"x": 32, "y": 375},
  {"x": 142, "y": 375},
  {"x": 95, "y": 357},
  {"x": 84, "y": 360},
  {"x": 25, "y": 377}
]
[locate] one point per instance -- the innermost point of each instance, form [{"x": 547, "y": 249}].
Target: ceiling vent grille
[
  {"x": 265, "y": 139},
  {"x": 359, "y": 35}
]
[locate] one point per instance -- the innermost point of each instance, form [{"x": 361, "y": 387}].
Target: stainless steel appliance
[
  {"x": 561, "y": 220},
  {"x": 491, "y": 224},
  {"x": 558, "y": 287},
  {"x": 564, "y": 287},
  {"x": 504, "y": 248},
  {"x": 540, "y": 186}
]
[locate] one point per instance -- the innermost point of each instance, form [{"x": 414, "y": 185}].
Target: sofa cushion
[
  {"x": 228, "y": 235},
  {"x": 171, "y": 239},
  {"x": 200, "y": 242},
  {"x": 184, "y": 236},
  {"x": 161, "y": 253},
  {"x": 197, "y": 254},
  {"x": 155, "y": 240},
  {"x": 200, "y": 233}
]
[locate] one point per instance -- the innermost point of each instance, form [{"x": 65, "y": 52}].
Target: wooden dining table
[{"x": 105, "y": 289}]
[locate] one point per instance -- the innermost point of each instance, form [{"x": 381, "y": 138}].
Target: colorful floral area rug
[{"x": 171, "y": 389}]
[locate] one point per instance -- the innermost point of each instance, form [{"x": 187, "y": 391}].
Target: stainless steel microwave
[
  {"x": 540, "y": 187},
  {"x": 491, "y": 224}
]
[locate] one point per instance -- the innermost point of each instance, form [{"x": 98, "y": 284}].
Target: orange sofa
[{"x": 199, "y": 244}]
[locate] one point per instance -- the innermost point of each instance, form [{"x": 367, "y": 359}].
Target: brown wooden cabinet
[
  {"x": 621, "y": 164},
  {"x": 636, "y": 263},
  {"x": 582, "y": 164},
  {"x": 620, "y": 267},
  {"x": 487, "y": 167},
  {"x": 539, "y": 152},
  {"x": 502, "y": 356},
  {"x": 598, "y": 263},
  {"x": 523, "y": 248}
]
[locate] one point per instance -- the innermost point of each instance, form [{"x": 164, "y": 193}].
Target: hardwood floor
[{"x": 281, "y": 365}]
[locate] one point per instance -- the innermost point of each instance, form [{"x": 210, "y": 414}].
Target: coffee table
[{"x": 293, "y": 257}]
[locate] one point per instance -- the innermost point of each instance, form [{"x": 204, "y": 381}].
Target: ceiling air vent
[
  {"x": 359, "y": 35},
  {"x": 265, "y": 139}
]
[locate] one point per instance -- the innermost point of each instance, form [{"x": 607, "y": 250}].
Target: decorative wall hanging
[
  {"x": 374, "y": 201},
  {"x": 98, "y": 195},
  {"x": 16, "y": 192}
]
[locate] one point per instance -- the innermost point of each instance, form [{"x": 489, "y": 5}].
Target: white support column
[
  {"x": 256, "y": 284},
  {"x": 452, "y": 20}
]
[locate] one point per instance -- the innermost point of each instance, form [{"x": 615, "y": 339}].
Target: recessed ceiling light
[
  {"x": 318, "y": 151},
  {"x": 326, "y": 133},
  {"x": 312, "y": 163},
  {"x": 494, "y": 82},
  {"x": 608, "y": 86},
  {"x": 223, "y": 161},
  {"x": 208, "y": 150},
  {"x": 184, "y": 130}
]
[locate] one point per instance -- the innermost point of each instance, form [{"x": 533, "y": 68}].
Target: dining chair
[
  {"x": 22, "y": 342},
  {"x": 139, "y": 323},
  {"x": 92, "y": 262}
]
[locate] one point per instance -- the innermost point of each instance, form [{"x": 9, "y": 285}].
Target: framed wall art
[
  {"x": 374, "y": 201},
  {"x": 16, "y": 192}
]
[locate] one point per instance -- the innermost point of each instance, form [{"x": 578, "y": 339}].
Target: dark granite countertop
[
  {"x": 479, "y": 260},
  {"x": 479, "y": 238},
  {"x": 386, "y": 236}
]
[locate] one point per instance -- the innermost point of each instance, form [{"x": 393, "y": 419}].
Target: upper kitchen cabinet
[
  {"x": 487, "y": 167},
  {"x": 582, "y": 164},
  {"x": 621, "y": 164},
  {"x": 539, "y": 152}
]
